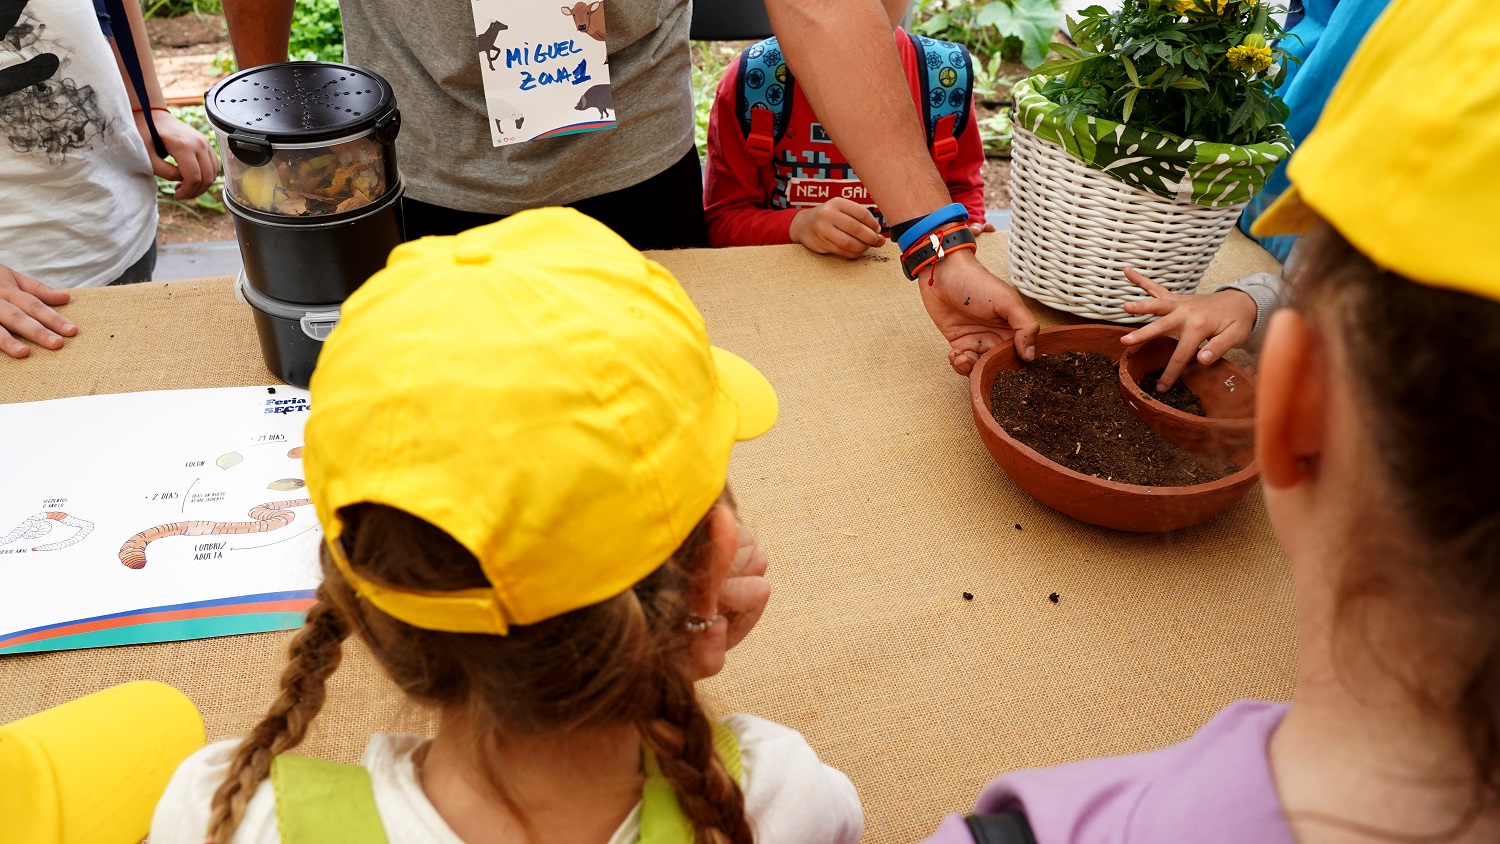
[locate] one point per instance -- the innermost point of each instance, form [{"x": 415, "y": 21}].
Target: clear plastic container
[{"x": 312, "y": 179}]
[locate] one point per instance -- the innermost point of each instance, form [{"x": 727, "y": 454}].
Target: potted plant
[{"x": 1139, "y": 146}]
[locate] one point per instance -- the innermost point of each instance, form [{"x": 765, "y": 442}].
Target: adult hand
[
  {"x": 1225, "y": 319},
  {"x": 196, "y": 165},
  {"x": 837, "y": 227},
  {"x": 26, "y": 311},
  {"x": 975, "y": 310}
]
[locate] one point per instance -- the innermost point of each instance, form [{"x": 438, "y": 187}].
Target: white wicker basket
[{"x": 1074, "y": 230}]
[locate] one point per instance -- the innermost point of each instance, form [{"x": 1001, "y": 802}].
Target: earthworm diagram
[
  {"x": 264, "y": 517},
  {"x": 34, "y": 527},
  {"x": 191, "y": 501}
]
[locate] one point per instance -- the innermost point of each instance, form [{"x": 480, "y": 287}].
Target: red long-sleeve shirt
[{"x": 753, "y": 205}]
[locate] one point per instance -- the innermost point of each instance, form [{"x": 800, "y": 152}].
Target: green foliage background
[{"x": 1156, "y": 68}]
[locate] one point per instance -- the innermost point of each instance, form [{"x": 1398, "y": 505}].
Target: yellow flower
[
  {"x": 1248, "y": 60},
  {"x": 1205, "y": 7},
  {"x": 1182, "y": 7}
]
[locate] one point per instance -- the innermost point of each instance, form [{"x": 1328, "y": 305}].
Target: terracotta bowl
[
  {"x": 1226, "y": 390},
  {"x": 1142, "y": 509}
]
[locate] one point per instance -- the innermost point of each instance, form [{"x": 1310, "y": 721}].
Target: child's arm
[
  {"x": 196, "y": 166},
  {"x": 735, "y": 191},
  {"x": 1228, "y": 318},
  {"x": 966, "y": 174}
]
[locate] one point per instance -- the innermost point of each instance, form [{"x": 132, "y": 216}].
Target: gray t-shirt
[{"x": 426, "y": 51}]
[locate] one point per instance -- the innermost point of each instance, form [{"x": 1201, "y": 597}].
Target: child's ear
[{"x": 1291, "y": 400}]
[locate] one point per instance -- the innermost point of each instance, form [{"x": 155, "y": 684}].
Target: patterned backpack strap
[
  {"x": 662, "y": 820},
  {"x": 947, "y": 75},
  {"x": 764, "y": 99},
  {"x": 321, "y": 802}
]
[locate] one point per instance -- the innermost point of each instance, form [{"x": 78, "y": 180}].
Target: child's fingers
[
  {"x": 1221, "y": 343},
  {"x": 855, "y": 228},
  {"x": 1160, "y": 307},
  {"x": 1150, "y": 331},
  {"x": 844, "y": 244},
  {"x": 860, "y": 213},
  {"x": 1148, "y": 285},
  {"x": 1187, "y": 347}
]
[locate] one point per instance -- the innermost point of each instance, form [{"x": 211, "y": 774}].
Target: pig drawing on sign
[
  {"x": 588, "y": 17},
  {"x": 486, "y": 41},
  {"x": 597, "y": 97}
]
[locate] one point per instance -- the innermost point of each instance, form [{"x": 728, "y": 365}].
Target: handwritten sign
[{"x": 544, "y": 69}]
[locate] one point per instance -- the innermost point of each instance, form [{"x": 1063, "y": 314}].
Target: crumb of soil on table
[
  {"x": 968, "y": 596},
  {"x": 1054, "y": 597},
  {"x": 1177, "y": 398},
  {"x": 1068, "y": 408}
]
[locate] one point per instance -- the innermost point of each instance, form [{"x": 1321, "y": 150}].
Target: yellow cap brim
[
  {"x": 750, "y": 392},
  {"x": 1289, "y": 214},
  {"x": 92, "y": 770}
]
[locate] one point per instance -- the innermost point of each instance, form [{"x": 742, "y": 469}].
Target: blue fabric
[
  {"x": 104, "y": 20},
  {"x": 1326, "y": 38}
]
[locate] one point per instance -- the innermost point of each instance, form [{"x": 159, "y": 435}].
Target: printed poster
[
  {"x": 544, "y": 67},
  {"x": 154, "y": 517}
]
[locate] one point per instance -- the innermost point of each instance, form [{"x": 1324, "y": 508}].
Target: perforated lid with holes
[{"x": 299, "y": 102}]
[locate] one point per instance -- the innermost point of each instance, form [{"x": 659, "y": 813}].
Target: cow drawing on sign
[
  {"x": 487, "y": 41},
  {"x": 597, "y": 97},
  {"x": 588, "y": 17}
]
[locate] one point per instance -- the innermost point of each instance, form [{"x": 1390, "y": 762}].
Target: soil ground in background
[
  {"x": 1068, "y": 408},
  {"x": 187, "y": 34}
]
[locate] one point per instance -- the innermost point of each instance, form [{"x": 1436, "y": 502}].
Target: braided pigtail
[
  {"x": 312, "y": 656},
  {"x": 682, "y": 739}
]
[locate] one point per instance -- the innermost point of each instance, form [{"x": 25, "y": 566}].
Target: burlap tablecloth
[{"x": 878, "y": 507}]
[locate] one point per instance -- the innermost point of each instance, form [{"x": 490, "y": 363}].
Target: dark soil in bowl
[
  {"x": 1179, "y": 397},
  {"x": 1068, "y": 408}
]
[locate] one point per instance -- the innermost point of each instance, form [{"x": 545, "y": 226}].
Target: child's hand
[
  {"x": 1225, "y": 319},
  {"x": 980, "y": 228},
  {"x": 837, "y": 227},
  {"x": 732, "y": 592}
]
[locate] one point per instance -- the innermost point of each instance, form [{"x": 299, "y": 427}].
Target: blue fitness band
[{"x": 925, "y": 226}]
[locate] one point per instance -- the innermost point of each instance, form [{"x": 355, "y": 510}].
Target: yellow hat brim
[
  {"x": 1289, "y": 214},
  {"x": 750, "y": 392}
]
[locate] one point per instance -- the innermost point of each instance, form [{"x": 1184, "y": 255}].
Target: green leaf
[
  {"x": 1130, "y": 103},
  {"x": 934, "y": 25},
  {"x": 1032, "y": 21},
  {"x": 1130, "y": 71},
  {"x": 1189, "y": 83}
]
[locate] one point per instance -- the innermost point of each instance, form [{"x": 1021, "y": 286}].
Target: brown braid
[
  {"x": 683, "y": 741},
  {"x": 312, "y": 656}
]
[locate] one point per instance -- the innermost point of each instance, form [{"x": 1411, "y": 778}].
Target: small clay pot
[
  {"x": 1129, "y": 507},
  {"x": 1227, "y": 393}
]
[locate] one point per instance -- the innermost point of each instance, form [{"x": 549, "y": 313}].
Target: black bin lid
[{"x": 300, "y": 102}]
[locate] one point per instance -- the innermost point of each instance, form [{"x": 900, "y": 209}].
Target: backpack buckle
[{"x": 761, "y": 142}]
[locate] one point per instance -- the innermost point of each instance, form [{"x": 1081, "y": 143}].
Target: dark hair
[
  {"x": 1425, "y": 364},
  {"x": 621, "y": 661}
]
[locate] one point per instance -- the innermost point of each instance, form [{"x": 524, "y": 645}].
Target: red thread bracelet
[
  {"x": 939, "y": 253},
  {"x": 153, "y": 108}
]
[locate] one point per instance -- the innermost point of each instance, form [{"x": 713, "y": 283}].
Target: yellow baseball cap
[
  {"x": 541, "y": 392},
  {"x": 91, "y": 771},
  {"x": 1403, "y": 161}
]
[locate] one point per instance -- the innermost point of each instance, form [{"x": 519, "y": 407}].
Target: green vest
[{"x": 322, "y": 802}]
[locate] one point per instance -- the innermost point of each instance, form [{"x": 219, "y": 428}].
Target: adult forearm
[
  {"x": 843, "y": 55},
  {"x": 258, "y": 30}
]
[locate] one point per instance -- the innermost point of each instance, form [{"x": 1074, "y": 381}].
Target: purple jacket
[{"x": 1216, "y": 786}]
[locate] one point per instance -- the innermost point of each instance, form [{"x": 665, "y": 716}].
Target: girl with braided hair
[{"x": 548, "y": 555}]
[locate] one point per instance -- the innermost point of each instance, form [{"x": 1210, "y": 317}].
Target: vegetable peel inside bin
[{"x": 312, "y": 185}]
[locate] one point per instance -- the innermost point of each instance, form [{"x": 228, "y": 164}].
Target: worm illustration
[
  {"x": 41, "y": 524},
  {"x": 268, "y": 517}
]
